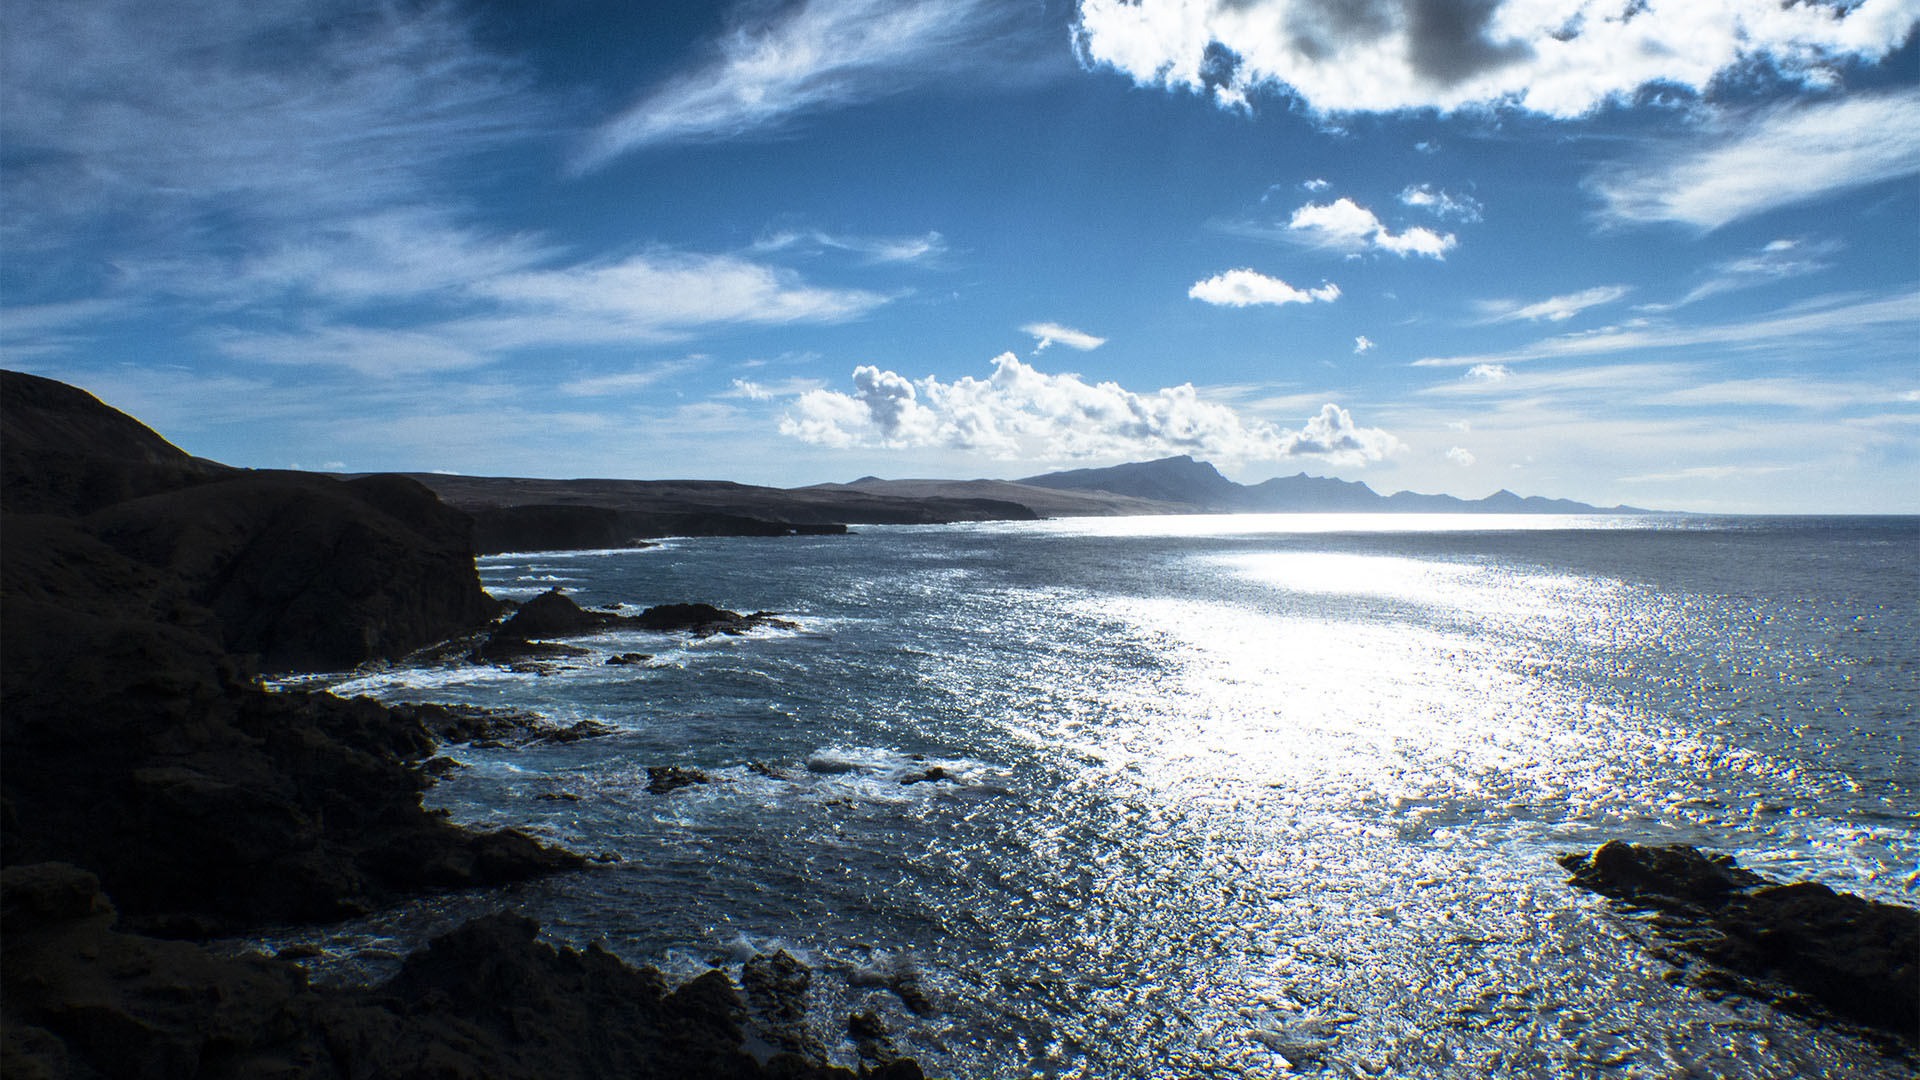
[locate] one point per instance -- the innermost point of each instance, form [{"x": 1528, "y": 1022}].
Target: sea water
[{"x": 1218, "y": 796}]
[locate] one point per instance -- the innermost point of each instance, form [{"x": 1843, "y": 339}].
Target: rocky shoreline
[
  {"x": 141, "y": 759},
  {"x": 154, "y": 795},
  {"x": 1801, "y": 947}
]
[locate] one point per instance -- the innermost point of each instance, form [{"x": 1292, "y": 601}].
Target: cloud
[
  {"x": 1559, "y": 59},
  {"x": 1757, "y": 162},
  {"x": 1442, "y": 204},
  {"x": 382, "y": 353},
  {"x": 1345, "y": 225},
  {"x": 1552, "y": 309},
  {"x": 877, "y": 249},
  {"x": 265, "y": 112},
  {"x": 1460, "y": 456},
  {"x": 1703, "y": 472},
  {"x": 819, "y": 54},
  {"x": 1776, "y": 261},
  {"x": 1824, "y": 319},
  {"x": 1488, "y": 372},
  {"x": 1316, "y": 184},
  {"x": 628, "y": 381},
  {"x": 661, "y": 294},
  {"x": 1021, "y": 412},
  {"x": 1243, "y": 288},
  {"x": 1049, "y": 333},
  {"x": 1361, "y": 344}
]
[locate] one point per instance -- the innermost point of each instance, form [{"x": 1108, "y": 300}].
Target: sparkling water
[{"x": 1224, "y": 795}]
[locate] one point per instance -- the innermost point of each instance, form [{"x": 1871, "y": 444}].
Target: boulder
[{"x": 1800, "y": 946}]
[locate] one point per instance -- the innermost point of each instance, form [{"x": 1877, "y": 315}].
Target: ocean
[{"x": 1247, "y": 796}]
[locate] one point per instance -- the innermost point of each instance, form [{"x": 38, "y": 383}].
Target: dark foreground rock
[
  {"x": 1800, "y": 946},
  {"x": 487, "y": 1001},
  {"x": 134, "y": 740}
]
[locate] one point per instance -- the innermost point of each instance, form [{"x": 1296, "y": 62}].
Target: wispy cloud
[
  {"x": 1345, "y": 225},
  {"x": 924, "y": 247},
  {"x": 1756, "y": 162},
  {"x": 820, "y": 54},
  {"x": 1777, "y": 261},
  {"x": 1046, "y": 334},
  {"x": 1245, "y": 288},
  {"x": 1362, "y": 344},
  {"x": 1552, "y": 309},
  {"x": 626, "y": 382},
  {"x": 1841, "y": 316},
  {"x": 1558, "y": 59},
  {"x": 269, "y": 112},
  {"x": 381, "y": 353},
  {"x": 1021, "y": 412}
]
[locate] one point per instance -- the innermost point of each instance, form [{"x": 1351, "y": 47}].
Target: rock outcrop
[
  {"x": 134, "y": 742},
  {"x": 1800, "y": 946},
  {"x": 553, "y": 614},
  {"x": 487, "y": 1000}
]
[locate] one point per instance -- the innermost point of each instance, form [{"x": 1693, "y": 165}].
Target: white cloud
[
  {"x": 1345, "y": 225},
  {"x": 1562, "y": 58},
  {"x": 1761, "y": 161},
  {"x": 1776, "y": 261},
  {"x": 1242, "y": 288},
  {"x": 1488, "y": 372},
  {"x": 118, "y": 106},
  {"x": 1021, "y": 412},
  {"x": 1316, "y": 184},
  {"x": 1048, "y": 333},
  {"x": 1361, "y": 344},
  {"x": 925, "y": 247},
  {"x": 1552, "y": 309},
  {"x": 628, "y": 381},
  {"x": 1893, "y": 316},
  {"x": 655, "y": 296},
  {"x": 370, "y": 352},
  {"x": 1460, "y": 456},
  {"x": 1442, "y": 204},
  {"x": 1703, "y": 472},
  {"x": 814, "y": 55}
]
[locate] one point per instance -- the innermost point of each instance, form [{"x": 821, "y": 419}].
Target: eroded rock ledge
[
  {"x": 1801, "y": 946},
  {"x": 488, "y": 1001}
]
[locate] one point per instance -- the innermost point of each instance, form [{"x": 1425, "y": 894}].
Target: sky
[{"x": 1655, "y": 252}]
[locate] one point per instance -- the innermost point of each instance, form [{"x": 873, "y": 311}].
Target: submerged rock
[
  {"x": 553, "y": 614},
  {"x": 663, "y": 779},
  {"x": 1801, "y": 946}
]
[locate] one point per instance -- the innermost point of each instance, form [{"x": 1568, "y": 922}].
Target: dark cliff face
[
  {"x": 136, "y": 587},
  {"x": 307, "y": 572}
]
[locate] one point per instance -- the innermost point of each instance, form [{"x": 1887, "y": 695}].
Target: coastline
[{"x": 93, "y": 632}]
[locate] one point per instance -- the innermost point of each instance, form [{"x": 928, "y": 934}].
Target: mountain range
[{"x": 1199, "y": 485}]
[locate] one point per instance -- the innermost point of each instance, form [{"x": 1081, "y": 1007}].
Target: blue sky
[{"x": 1662, "y": 252}]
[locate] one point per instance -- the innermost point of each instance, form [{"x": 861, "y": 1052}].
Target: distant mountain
[{"x": 1199, "y": 485}]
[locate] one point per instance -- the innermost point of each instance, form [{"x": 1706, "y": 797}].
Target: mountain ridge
[{"x": 1182, "y": 479}]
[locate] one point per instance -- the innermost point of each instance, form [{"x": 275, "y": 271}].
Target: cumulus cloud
[
  {"x": 1561, "y": 58},
  {"x": 1441, "y": 204},
  {"x": 1755, "y": 162},
  {"x": 1488, "y": 372},
  {"x": 1460, "y": 456},
  {"x": 767, "y": 70},
  {"x": 1021, "y": 412},
  {"x": 1243, "y": 288},
  {"x": 1047, "y": 333},
  {"x": 1361, "y": 344},
  {"x": 1345, "y": 225},
  {"x": 1554, "y": 308}
]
